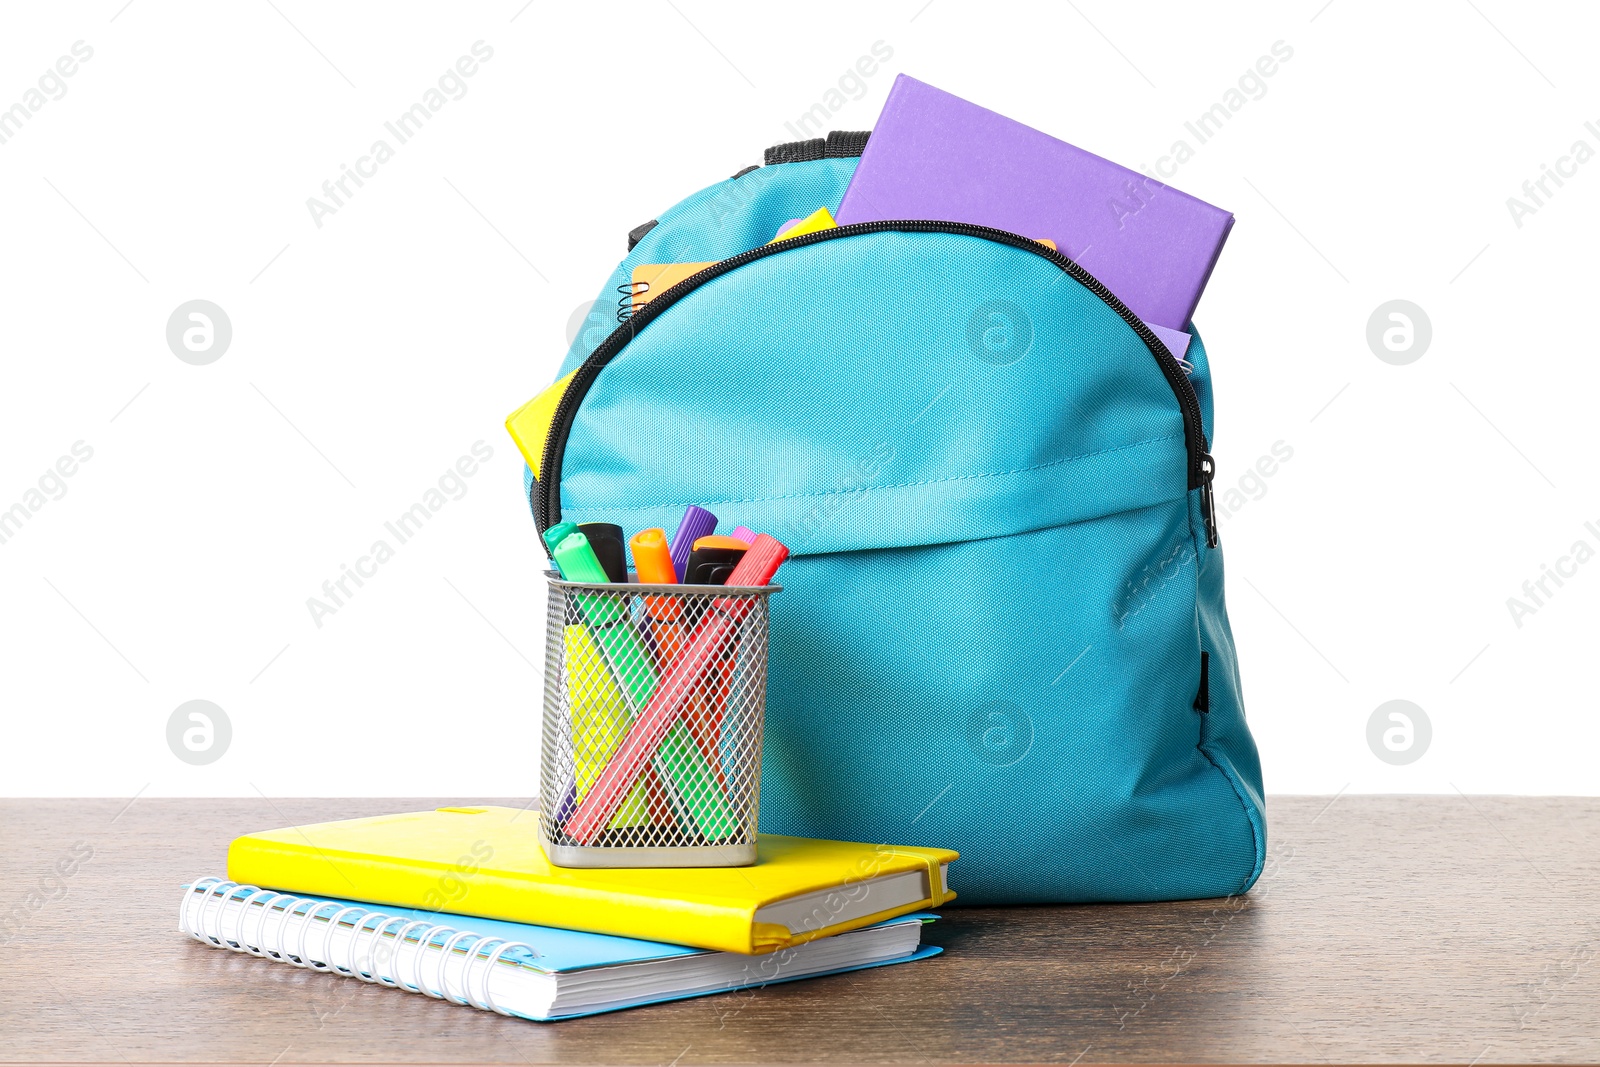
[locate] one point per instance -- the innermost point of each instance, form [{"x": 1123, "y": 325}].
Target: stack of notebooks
[{"x": 460, "y": 904}]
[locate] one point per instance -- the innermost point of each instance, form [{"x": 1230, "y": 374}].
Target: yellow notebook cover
[
  {"x": 820, "y": 219},
  {"x": 529, "y": 425},
  {"x": 486, "y": 861}
]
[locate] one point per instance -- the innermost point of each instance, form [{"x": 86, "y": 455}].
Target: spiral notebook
[{"x": 540, "y": 973}]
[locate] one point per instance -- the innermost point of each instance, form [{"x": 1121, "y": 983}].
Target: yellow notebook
[
  {"x": 487, "y": 862},
  {"x": 820, "y": 219},
  {"x": 529, "y": 425}
]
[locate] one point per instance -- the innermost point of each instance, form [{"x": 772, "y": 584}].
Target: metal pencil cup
[{"x": 654, "y": 702}]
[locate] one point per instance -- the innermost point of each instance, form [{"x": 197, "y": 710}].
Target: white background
[{"x": 372, "y": 352}]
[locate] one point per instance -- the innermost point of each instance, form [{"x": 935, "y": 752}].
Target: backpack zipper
[{"x": 546, "y": 506}]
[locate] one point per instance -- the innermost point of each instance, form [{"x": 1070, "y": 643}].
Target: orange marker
[
  {"x": 720, "y": 541},
  {"x": 713, "y": 559},
  {"x": 652, "y": 559},
  {"x": 663, "y": 633},
  {"x": 664, "y": 629}
]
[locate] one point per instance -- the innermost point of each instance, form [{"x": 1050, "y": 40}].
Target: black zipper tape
[{"x": 547, "y": 490}]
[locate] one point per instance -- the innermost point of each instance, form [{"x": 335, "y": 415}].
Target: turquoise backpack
[{"x": 1002, "y": 628}]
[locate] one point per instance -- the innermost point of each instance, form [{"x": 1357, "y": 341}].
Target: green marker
[
  {"x": 679, "y": 761},
  {"x": 559, "y": 533},
  {"x": 598, "y": 711}
]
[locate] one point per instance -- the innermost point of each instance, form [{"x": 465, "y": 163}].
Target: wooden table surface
[{"x": 1393, "y": 929}]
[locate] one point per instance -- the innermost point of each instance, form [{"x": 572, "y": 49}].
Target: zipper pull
[{"x": 1208, "y": 504}]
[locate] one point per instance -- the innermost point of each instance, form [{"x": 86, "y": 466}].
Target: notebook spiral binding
[
  {"x": 629, "y": 292},
  {"x": 487, "y": 951}
]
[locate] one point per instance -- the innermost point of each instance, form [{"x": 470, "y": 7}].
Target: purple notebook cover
[
  {"x": 1177, "y": 341},
  {"x": 936, "y": 156}
]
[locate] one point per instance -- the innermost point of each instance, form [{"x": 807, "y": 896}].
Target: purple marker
[
  {"x": 745, "y": 534},
  {"x": 697, "y": 523},
  {"x": 569, "y": 801}
]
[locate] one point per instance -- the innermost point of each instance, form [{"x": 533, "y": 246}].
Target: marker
[
  {"x": 599, "y": 720},
  {"x": 697, "y": 522},
  {"x": 713, "y": 559},
  {"x": 695, "y": 793},
  {"x": 569, "y": 801},
  {"x": 701, "y": 654},
  {"x": 606, "y": 540},
  {"x": 600, "y": 712},
  {"x": 711, "y": 562},
  {"x": 665, "y": 630},
  {"x": 652, "y": 561},
  {"x": 569, "y": 796},
  {"x": 708, "y": 722},
  {"x": 708, "y": 708},
  {"x": 557, "y": 534},
  {"x": 592, "y": 704},
  {"x": 607, "y": 616}
]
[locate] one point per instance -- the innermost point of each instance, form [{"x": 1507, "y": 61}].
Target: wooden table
[{"x": 1412, "y": 929}]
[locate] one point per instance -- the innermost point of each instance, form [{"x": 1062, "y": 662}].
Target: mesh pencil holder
[{"x": 654, "y": 702}]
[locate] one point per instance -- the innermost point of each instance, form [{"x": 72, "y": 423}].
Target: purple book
[{"x": 936, "y": 156}]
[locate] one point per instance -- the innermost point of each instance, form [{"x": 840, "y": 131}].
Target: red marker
[{"x": 701, "y": 655}]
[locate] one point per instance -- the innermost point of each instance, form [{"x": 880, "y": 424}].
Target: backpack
[{"x": 1002, "y": 627}]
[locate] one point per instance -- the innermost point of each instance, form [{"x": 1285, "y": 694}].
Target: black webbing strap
[
  {"x": 796, "y": 151},
  {"x": 846, "y": 144},
  {"x": 840, "y": 144}
]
